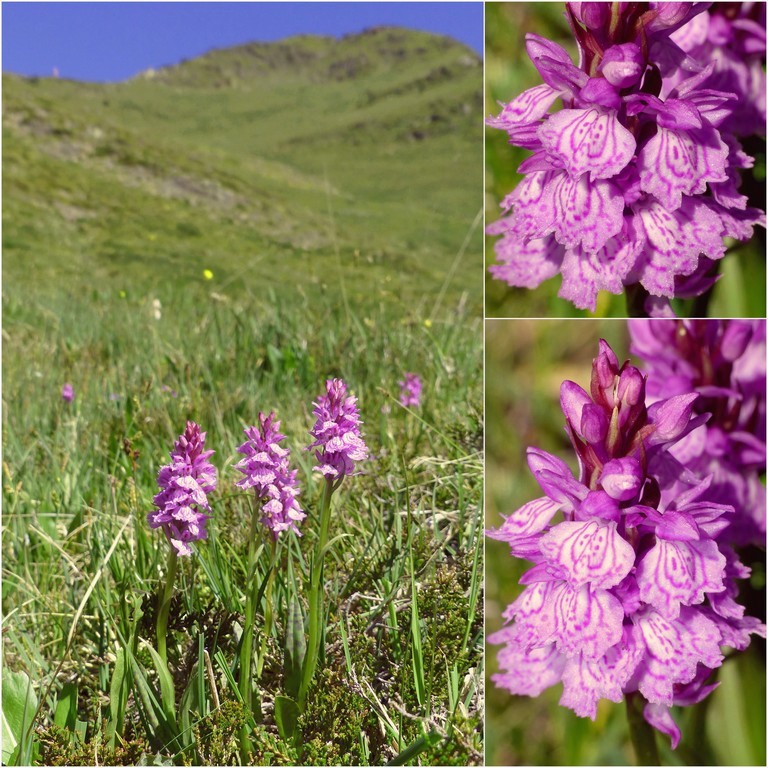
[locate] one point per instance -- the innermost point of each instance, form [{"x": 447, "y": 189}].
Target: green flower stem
[
  {"x": 268, "y": 614},
  {"x": 316, "y": 595},
  {"x": 642, "y": 734},
  {"x": 246, "y": 644},
  {"x": 165, "y": 605}
]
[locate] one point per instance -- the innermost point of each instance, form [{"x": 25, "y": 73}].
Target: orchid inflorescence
[
  {"x": 410, "y": 390},
  {"x": 182, "y": 503},
  {"x": 635, "y": 181},
  {"x": 266, "y": 470},
  {"x": 633, "y": 586},
  {"x": 185, "y": 483}
]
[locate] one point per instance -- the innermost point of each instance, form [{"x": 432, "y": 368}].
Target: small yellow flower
[
  {"x": 427, "y": 323},
  {"x": 207, "y": 274}
]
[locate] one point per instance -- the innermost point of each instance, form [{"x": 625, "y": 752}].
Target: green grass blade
[
  {"x": 415, "y": 748},
  {"x": 417, "y": 653}
]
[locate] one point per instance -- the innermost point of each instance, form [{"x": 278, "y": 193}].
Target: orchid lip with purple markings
[
  {"x": 631, "y": 588},
  {"x": 634, "y": 180},
  {"x": 265, "y": 466},
  {"x": 183, "y": 508},
  {"x": 338, "y": 442}
]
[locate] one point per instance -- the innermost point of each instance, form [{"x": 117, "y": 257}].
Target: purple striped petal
[
  {"x": 534, "y": 614},
  {"x": 674, "y": 648},
  {"x": 589, "y": 552},
  {"x": 585, "y": 680},
  {"x": 674, "y": 241},
  {"x": 585, "y": 621},
  {"x": 526, "y": 264},
  {"x": 525, "y": 673},
  {"x": 586, "y": 214},
  {"x": 529, "y": 107},
  {"x": 676, "y": 163},
  {"x": 675, "y": 573},
  {"x": 532, "y": 517},
  {"x": 588, "y": 140},
  {"x": 585, "y": 273}
]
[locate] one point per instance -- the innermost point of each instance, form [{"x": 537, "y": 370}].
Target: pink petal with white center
[
  {"x": 673, "y": 242},
  {"x": 525, "y": 673},
  {"x": 185, "y": 514},
  {"x": 675, "y": 573},
  {"x": 585, "y": 621},
  {"x": 528, "y": 107},
  {"x": 532, "y": 517},
  {"x": 590, "y": 553},
  {"x": 586, "y": 681},
  {"x": 526, "y": 265},
  {"x": 588, "y": 140},
  {"x": 677, "y": 163},
  {"x": 674, "y": 649},
  {"x": 586, "y": 214}
]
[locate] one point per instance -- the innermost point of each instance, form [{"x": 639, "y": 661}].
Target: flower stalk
[
  {"x": 641, "y": 733},
  {"x": 246, "y": 645},
  {"x": 316, "y": 594},
  {"x": 268, "y": 613},
  {"x": 165, "y": 605}
]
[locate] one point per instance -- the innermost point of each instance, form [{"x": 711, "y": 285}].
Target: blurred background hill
[{"x": 355, "y": 159}]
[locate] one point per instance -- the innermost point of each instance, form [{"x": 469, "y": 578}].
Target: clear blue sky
[{"x": 112, "y": 41}]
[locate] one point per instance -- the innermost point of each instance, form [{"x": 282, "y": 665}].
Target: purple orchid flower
[
  {"x": 724, "y": 362},
  {"x": 337, "y": 432},
  {"x": 632, "y": 590},
  {"x": 635, "y": 180},
  {"x": 410, "y": 390},
  {"x": 266, "y": 470},
  {"x": 185, "y": 483}
]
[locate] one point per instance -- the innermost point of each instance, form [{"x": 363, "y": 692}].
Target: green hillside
[{"x": 312, "y": 154}]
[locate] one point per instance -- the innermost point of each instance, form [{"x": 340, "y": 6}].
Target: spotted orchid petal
[
  {"x": 676, "y": 573},
  {"x": 681, "y": 162},
  {"x": 585, "y": 621},
  {"x": 674, "y": 240},
  {"x": 589, "y": 552},
  {"x": 531, "y": 518},
  {"x": 588, "y": 141},
  {"x": 674, "y": 649},
  {"x": 585, "y": 273},
  {"x": 526, "y": 264},
  {"x": 522, "y": 672},
  {"x": 587, "y": 680},
  {"x": 534, "y": 615},
  {"x": 586, "y": 214},
  {"x": 529, "y": 107}
]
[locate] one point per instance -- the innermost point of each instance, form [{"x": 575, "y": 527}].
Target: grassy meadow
[
  {"x": 526, "y": 362},
  {"x": 171, "y": 267}
]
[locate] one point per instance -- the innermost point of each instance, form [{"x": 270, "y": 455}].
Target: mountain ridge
[
  {"x": 385, "y": 164},
  {"x": 341, "y": 57}
]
